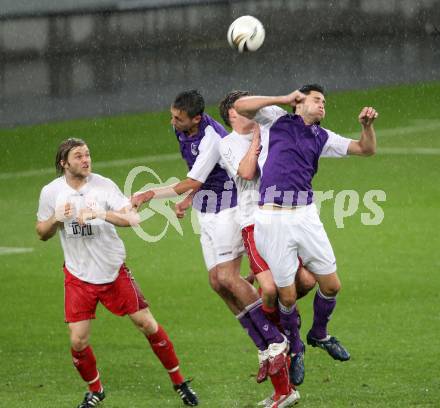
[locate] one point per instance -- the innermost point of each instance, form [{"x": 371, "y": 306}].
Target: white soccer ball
[{"x": 246, "y": 33}]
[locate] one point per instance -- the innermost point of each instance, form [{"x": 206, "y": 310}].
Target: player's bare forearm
[
  {"x": 185, "y": 186},
  {"x": 122, "y": 219},
  {"x": 188, "y": 185},
  {"x": 368, "y": 140},
  {"x": 248, "y": 164},
  {"x": 366, "y": 145},
  {"x": 249, "y": 105},
  {"x": 47, "y": 229},
  {"x": 125, "y": 217}
]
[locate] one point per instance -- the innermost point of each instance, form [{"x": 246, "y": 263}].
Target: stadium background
[{"x": 107, "y": 71}]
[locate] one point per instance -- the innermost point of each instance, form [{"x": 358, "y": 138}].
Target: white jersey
[
  {"x": 233, "y": 148},
  {"x": 201, "y": 153},
  {"x": 208, "y": 156},
  {"x": 93, "y": 252}
]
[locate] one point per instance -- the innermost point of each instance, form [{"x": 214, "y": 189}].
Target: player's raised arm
[
  {"x": 366, "y": 145},
  {"x": 249, "y": 105},
  {"x": 249, "y": 163}
]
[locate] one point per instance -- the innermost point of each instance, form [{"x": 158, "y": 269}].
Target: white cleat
[
  {"x": 266, "y": 402},
  {"x": 284, "y": 401}
]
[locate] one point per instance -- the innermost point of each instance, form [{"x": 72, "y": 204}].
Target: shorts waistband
[{"x": 277, "y": 207}]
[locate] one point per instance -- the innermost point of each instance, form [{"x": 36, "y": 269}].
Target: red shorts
[
  {"x": 120, "y": 297},
  {"x": 256, "y": 262}
]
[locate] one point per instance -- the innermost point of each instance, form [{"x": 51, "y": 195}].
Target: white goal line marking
[{"x": 14, "y": 250}]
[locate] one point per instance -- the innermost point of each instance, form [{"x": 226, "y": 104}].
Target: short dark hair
[
  {"x": 190, "y": 102},
  {"x": 63, "y": 151},
  {"x": 228, "y": 102},
  {"x": 306, "y": 89}
]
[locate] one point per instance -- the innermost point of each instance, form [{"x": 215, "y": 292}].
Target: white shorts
[
  {"x": 220, "y": 236},
  {"x": 283, "y": 235}
]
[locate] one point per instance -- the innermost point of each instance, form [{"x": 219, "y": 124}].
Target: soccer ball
[{"x": 246, "y": 33}]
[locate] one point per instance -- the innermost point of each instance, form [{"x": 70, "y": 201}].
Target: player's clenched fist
[
  {"x": 64, "y": 212},
  {"x": 294, "y": 98},
  {"x": 367, "y": 116},
  {"x": 87, "y": 214},
  {"x": 181, "y": 207}
]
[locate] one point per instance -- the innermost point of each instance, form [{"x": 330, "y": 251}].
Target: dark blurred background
[{"x": 62, "y": 59}]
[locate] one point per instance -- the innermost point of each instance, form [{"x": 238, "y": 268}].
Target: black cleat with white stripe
[
  {"x": 92, "y": 399},
  {"x": 331, "y": 345},
  {"x": 186, "y": 393}
]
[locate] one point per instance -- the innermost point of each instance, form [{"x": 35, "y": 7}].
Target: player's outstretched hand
[
  {"x": 64, "y": 212},
  {"x": 367, "y": 116},
  {"x": 137, "y": 199}
]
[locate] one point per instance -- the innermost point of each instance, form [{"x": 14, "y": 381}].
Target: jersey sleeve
[
  {"x": 208, "y": 157},
  {"x": 46, "y": 205},
  {"x": 268, "y": 115},
  {"x": 336, "y": 145},
  {"x": 229, "y": 158},
  {"x": 115, "y": 199}
]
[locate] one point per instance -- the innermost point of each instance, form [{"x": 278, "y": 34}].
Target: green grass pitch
[{"x": 388, "y": 313}]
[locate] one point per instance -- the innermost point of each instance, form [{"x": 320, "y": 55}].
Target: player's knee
[
  {"x": 145, "y": 321},
  {"x": 287, "y": 299},
  {"x": 288, "y": 302},
  {"x": 331, "y": 289},
  {"x": 79, "y": 342},
  {"x": 305, "y": 285},
  {"x": 334, "y": 290},
  {"x": 224, "y": 284},
  {"x": 225, "y": 276},
  {"x": 213, "y": 282},
  {"x": 148, "y": 326}
]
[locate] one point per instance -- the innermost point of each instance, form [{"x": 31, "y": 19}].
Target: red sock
[
  {"x": 164, "y": 350},
  {"x": 85, "y": 363},
  {"x": 281, "y": 382}
]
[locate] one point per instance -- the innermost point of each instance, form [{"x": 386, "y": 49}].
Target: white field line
[
  {"x": 146, "y": 160},
  {"x": 409, "y": 150},
  {"x": 419, "y": 125},
  {"x": 14, "y": 250}
]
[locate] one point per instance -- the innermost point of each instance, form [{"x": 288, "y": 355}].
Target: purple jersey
[
  {"x": 218, "y": 191},
  {"x": 290, "y": 155}
]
